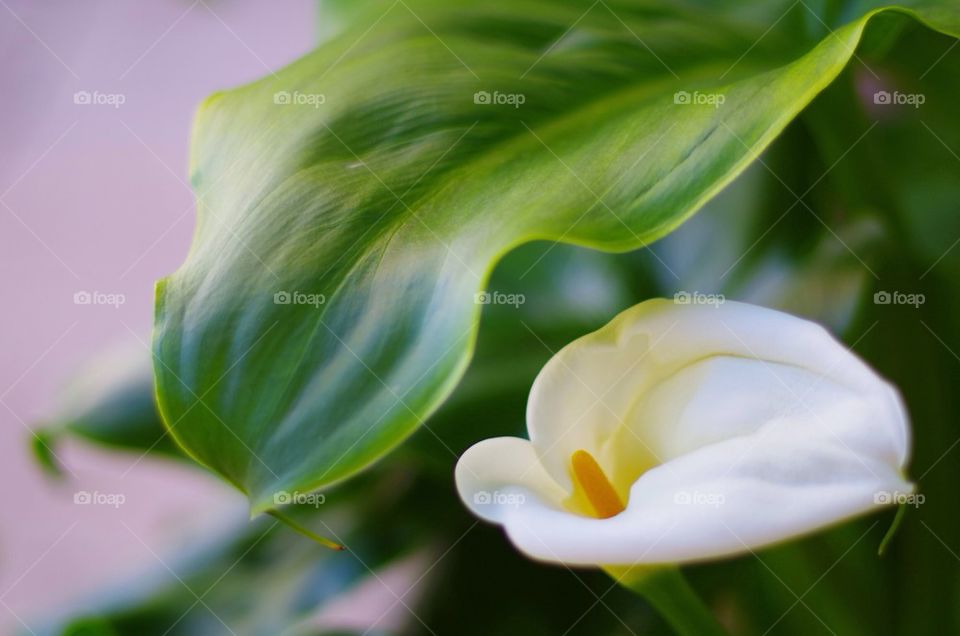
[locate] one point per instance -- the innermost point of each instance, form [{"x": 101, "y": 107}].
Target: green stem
[
  {"x": 310, "y": 534},
  {"x": 892, "y": 530},
  {"x": 668, "y": 592}
]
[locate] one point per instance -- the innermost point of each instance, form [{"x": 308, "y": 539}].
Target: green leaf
[
  {"x": 388, "y": 189},
  {"x": 108, "y": 401}
]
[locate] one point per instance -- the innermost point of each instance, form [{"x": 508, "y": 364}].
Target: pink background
[{"x": 94, "y": 198}]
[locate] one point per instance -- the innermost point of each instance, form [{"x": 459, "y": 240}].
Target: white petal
[
  {"x": 726, "y": 429},
  {"x": 495, "y": 475},
  {"x": 724, "y": 498},
  {"x": 592, "y": 385},
  {"x": 741, "y": 512}
]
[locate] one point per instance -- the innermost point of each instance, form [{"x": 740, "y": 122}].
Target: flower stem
[
  {"x": 310, "y": 534},
  {"x": 668, "y": 592}
]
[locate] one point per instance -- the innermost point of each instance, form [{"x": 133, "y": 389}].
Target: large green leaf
[{"x": 394, "y": 197}]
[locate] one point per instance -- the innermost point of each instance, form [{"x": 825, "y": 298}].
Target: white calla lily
[{"x": 684, "y": 432}]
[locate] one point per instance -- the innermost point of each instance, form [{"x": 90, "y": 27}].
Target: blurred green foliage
[{"x": 878, "y": 211}]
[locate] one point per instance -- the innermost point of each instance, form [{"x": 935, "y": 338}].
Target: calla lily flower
[{"x": 685, "y": 432}]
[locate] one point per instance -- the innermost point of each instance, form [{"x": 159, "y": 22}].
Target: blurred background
[
  {"x": 851, "y": 206},
  {"x": 94, "y": 199}
]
